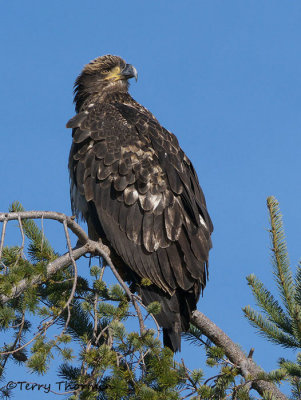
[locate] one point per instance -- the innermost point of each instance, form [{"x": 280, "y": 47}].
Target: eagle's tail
[
  {"x": 175, "y": 313},
  {"x": 172, "y": 338}
]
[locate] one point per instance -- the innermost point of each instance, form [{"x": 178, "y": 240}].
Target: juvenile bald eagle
[{"x": 139, "y": 193}]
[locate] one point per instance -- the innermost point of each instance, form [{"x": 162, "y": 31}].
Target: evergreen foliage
[
  {"x": 100, "y": 357},
  {"x": 103, "y": 355},
  {"x": 279, "y": 323}
]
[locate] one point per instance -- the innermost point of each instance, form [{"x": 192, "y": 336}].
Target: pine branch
[
  {"x": 296, "y": 323},
  {"x": 79, "y": 323},
  {"x": 292, "y": 369},
  {"x": 51, "y": 269},
  {"x": 298, "y": 285},
  {"x": 280, "y": 259},
  {"x": 39, "y": 248},
  {"x": 194, "y": 336},
  {"x": 269, "y": 304},
  {"x": 281, "y": 327},
  {"x": 269, "y": 329}
]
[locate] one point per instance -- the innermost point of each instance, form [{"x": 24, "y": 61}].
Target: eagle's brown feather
[{"x": 131, "y": 180}]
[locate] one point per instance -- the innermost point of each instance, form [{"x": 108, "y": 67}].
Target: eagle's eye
[{"x": 111, "y": 74}]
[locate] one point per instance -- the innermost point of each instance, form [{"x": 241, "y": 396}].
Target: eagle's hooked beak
[{"x": 129, "y": 72}]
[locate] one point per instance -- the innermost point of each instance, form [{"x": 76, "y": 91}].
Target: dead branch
[
  {"x": 71, "y": 224},
  {"x": 247, "y": 366}
]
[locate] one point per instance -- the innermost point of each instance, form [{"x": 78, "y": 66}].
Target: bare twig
[
  {"x": 72, "y": 225},
  {"x": 104, "y": 251},
  {"x": 13, "y": 347},
  {"x": 67, "y": 319},
  {"x": 3, "y": 235},
  {"x": 39, "y": 333},
  {"x": 149, "y": 314},
  {"x": 42, "y": 229},
  {"x": 23, "y": 237},
  {"x": 73, "y": 264},
  {"x": 251, "y": 352},
  {"x": 139, "y": 315},
  {"x": 100, "y": 334}
]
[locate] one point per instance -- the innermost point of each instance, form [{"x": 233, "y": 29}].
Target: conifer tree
[{"x": 108, "y": 344}]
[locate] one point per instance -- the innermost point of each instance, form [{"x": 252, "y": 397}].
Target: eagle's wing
[{"x": 146, "y": 194}]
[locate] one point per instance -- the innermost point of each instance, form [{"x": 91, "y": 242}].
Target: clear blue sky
[{"x": 224, "y": 76}]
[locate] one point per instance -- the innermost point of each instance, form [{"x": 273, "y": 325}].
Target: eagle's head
[{"x": 102, "y": 75}]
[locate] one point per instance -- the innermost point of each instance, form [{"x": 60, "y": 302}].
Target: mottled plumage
[{"x": 137, "y": 190}]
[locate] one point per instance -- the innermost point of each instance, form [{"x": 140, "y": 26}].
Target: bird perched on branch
[{"x": 139, "y": 193}]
